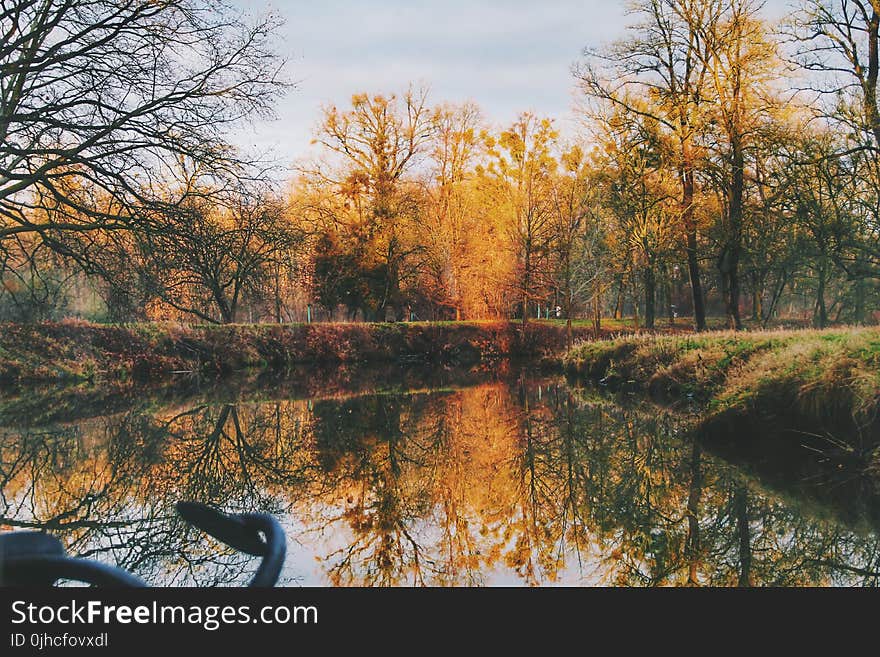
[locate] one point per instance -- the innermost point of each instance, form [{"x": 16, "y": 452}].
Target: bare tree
[
  {"x": 217, "y": 250},
  {"x": 838, "y": 42},
  {"x": 100, "y": 98}
]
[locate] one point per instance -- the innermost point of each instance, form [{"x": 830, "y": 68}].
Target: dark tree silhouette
[{"x": 101, "y": 98}]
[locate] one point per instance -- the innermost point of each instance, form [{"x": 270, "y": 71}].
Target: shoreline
[
  {"x": 79, "y": 352},
  {"x": 810, "y": 391}
]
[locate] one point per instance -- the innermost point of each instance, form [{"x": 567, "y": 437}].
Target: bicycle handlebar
[
  {"x": 258, "y": 534},
  {"x": 36, "y": 558}
]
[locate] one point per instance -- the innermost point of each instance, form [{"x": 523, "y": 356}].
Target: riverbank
[
  {"x": 71, "y": 352},
  {"x": 813, "y": 389},
  {"x": 47, "y": 404}
]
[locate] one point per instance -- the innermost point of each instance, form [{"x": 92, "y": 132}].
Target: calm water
[{"x": 489, "y": 478}]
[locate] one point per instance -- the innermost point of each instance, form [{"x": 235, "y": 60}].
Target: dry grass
[{"x": 828, "y": 376}]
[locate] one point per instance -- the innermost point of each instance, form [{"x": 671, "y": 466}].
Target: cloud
[{"x": 507, "y": 56}]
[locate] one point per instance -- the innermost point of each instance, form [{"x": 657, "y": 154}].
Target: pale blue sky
[{"x": 507, "y": 56}]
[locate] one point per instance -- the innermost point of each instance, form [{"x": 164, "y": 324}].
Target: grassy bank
[
  {"x": 818, "y": 387},
  {"x": 77, "y": 351}
]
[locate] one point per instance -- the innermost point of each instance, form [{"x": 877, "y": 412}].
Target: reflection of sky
[
  {"x": 507, "y": 55},
  {"x": 307, "y": 564}
]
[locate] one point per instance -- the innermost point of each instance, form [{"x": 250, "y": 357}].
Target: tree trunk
[
  {"x": 527, "y": 271},
  {"x": 569, "y": 335},
  {"x": 277, "y": 294},
  {"x": 820, "y": 312},
  {"x": 650, "y": 295},
  {"x": 870, "y": 83},
  {"x": 757, "y": 297},
  {"x": 859, "y": 295},
  {"x": 774, "y": 301},
  {"x": 730, "y": 261},
  {"x": 690, "y": 227},
  {"x": 667, "y": 289},
  {"x": 393, "y": 300},
  {"x": 226, "y": 307},
  {"x": 635, "y": 300},
  {"x": 618, "y": 305}
]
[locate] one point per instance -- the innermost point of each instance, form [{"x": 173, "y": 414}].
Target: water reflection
[{"x": 504, "y": 481}]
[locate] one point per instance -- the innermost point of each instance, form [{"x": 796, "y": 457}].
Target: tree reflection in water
[{"x": 516, "y": 482}]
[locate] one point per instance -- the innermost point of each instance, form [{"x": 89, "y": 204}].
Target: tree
[
  {"x": 840, "y": 40},
  {"x": 664, "y": 61},
  {"x": 339, "y": 279},
  {"x": 773, "y": 237},
  {"x": 216, "y": 251},
  {"x": 100, "y": 99},
  {"x": 827, "y": 200},
  {"x": 449, "y": 226},
  {"x": 740, "y": 62},
  {"x": 576, "y": 233},
  {"x": 838, "y": 44},
  {"x": 519, "y": 174},
  {"x": 35, "y": 282},
  {"x": 378, "y": 141},
  {"x": 639, "y": 196}
]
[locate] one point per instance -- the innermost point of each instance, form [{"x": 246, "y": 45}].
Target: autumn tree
[
  {"x": 577, "y": 241},
  {"x": 663, "y": 60},
  {"x": 740, "y": 63},
  {"x": 519, "y": 175},
  {"x": 377, "y": 142},
  {"x": 449, "y": 218}
]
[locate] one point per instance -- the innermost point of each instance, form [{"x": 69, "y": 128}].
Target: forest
[
  {"x": 724, "y": 166},
  {"x": 634, "y": 343}
]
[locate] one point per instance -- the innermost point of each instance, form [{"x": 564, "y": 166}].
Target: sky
[{"x": 507, "y": 56}]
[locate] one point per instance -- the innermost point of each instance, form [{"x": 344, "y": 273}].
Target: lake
[{"x": 401, "y": 477}]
